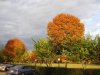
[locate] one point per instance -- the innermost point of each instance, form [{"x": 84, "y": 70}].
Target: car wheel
[{"x": 23, "y": 74}]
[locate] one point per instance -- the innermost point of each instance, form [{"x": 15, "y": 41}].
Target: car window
[
  {"x": 17, "y": 67},
  {"x": 26, "y": 67}
]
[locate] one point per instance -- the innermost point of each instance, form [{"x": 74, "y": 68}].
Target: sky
[{"x": 27, "y": 19}]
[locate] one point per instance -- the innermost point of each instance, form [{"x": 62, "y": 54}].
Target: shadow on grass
[{"x": 63, "y": 71}]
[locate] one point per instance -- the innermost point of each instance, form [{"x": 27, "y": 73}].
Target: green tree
[
  {"x": 25, "y": 58},
  {"x": 1, "y": 56},
  {"x": 91, "y": 47},
  {"x": 81, "y": 50},
  {"x": 97, "y": 42},
  {"x": 44, "y": 50}
]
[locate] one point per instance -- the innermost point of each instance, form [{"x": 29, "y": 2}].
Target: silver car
[{"x": 4, "y": 67}]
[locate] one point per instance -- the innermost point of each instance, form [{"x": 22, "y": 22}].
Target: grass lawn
[{"x": 62, "y": 65}]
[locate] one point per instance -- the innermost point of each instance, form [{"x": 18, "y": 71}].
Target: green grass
[{"x": 62, "y": 65}]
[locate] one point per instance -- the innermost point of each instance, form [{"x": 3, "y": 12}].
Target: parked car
[
  {"x": 5, "y": 67},
  {"x": 21, "y": 70},
  {"x": 8, "y": 68}
]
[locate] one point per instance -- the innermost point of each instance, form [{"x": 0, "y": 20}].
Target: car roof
[
  {"x": 20, "y": 66},
  {"x": 5, "y": 64}
]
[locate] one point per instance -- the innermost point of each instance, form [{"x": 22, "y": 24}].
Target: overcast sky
[{"x": 27, "y": 19}]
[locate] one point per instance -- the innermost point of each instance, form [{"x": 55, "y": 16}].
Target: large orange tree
[
  {"x": 14, "y": 48},
  {"x": 65, "y": 27}
]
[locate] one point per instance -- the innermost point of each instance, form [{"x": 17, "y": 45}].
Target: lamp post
[
  {"x": 35, "y": 62},
  {"x": 58, "y": 62}
]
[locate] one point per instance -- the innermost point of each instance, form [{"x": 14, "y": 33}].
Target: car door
[
  {"x": 26, "y": 70},
  {"x": 29, "y": 70},
  {"x": 33, "y": 70}
]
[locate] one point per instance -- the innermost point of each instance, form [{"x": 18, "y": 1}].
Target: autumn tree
[
  {"x": 33, "y": 56},
  {"x": 14, "y": 48},
  {"x": 65, "y": 27}
]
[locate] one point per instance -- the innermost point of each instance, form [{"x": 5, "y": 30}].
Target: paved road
[{"x": 3, "y": 73}]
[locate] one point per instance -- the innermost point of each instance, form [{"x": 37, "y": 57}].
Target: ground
[{"x": 3, "y": 73}]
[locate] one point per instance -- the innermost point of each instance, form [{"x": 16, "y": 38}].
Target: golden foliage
[{"x": 64, "y": 25}]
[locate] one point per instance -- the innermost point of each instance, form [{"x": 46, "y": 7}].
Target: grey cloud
[{"x": 29, "y": 18}]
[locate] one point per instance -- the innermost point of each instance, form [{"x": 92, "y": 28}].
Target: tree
[
  {"x": 25, "y": 58},
  {"x": 64, "y": 25},
  {"x": 33, "y": 56},
  {"x": 14, "y": 48},
  {"x": 97, "y": 40},
  {"x": 91, "y": 47},
  {"x": 44, "y": 50},
  {"x": 82, "y": 50},
  {"x": 1, "y": 56}
]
